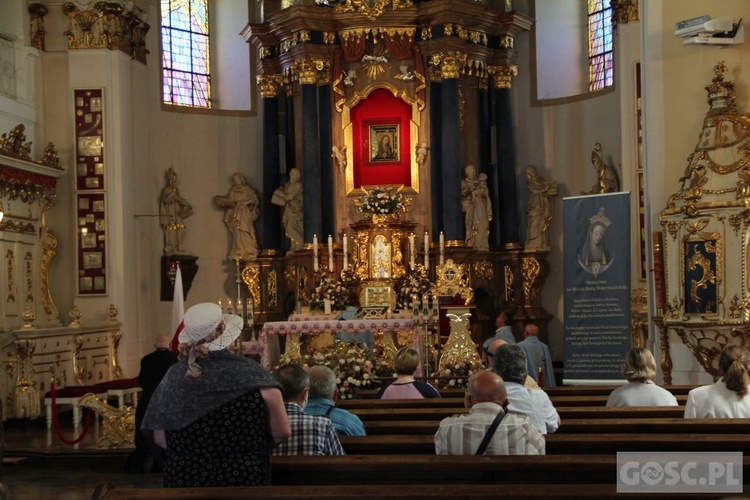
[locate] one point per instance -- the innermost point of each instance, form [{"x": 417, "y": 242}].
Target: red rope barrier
[{"x": 57, "y": 421}]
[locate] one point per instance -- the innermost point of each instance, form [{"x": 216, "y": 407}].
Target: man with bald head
[
  {"x": 537, "y": 355},
  {"x": 488, "y": 429}
]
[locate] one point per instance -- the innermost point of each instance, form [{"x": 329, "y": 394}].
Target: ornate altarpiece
[
  {"x": 345, "y": 76},
  {"x": 706, "y": 229}
]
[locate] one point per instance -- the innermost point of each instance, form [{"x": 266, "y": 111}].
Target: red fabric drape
[
  {"x": 354, "y": 45},
  {"x": 399, "y": 45}
]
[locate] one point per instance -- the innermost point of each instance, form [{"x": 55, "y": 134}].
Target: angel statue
[
  {"x": 339, "y": 154},
  {"x": 422, "y": 149}
]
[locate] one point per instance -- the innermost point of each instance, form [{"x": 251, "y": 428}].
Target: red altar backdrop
[{"x": 382, "y": 144}]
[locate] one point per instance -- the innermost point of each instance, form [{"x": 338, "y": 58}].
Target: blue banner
[{"x": 596, "y": 279}]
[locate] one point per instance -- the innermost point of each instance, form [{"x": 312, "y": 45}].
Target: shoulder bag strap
[{"x": 491, "y": 432}]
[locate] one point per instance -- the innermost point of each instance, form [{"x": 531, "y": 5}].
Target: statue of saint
[
  {"x": 477, "y": 208},
  {"x": 538, "y": 209},
  {"x": 173, "y": 209},
  {"x": 289, "y": 196},
  {"x": 607, "y": 180},
  {"x": 241, "y": 212}
]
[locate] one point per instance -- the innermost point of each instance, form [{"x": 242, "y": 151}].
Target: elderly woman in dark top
[{"x": 217, "y": 414}]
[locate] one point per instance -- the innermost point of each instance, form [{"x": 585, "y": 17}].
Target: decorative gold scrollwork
[
  {"x": 452, "y": 279},
  {"x": 251, "y": 278},
  {"x": 530, "y": 269},
  {"x": 484, "y": 270},
  {"x": 272, "y": 289}
]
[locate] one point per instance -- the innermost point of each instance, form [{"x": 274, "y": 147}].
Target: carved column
[
  {"x": 269, "y": 93},
  {"x": 307, "y": 72},
  {"x": 506, "y": 169},
  {"x": 449, "y": 65}
]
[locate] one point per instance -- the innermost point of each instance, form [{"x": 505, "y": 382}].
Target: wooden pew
[
  {"x": 557, "y": 401},
  {"x": 591, "y": 426},
  {"x": 408, "y": 491},
  {"x": 563, "y": 443},
  {"x": 429, "y": 468},
  {"x": 566, "y": 412},
  {"x": 570, "y": 390}
]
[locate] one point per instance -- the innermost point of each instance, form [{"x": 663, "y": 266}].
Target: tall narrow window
[
  {"x": 601, "y": 61},
  {"x": 185, "y": 63}
]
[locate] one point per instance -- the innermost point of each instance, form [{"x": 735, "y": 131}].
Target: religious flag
[{"x": 178, "y": 309}]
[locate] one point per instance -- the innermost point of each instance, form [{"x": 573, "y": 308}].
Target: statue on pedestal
[
  {"x": 241, "y": 212},
  {"x": 289, "y": 196},
  {"x": 477, "y": 207},
  {"x": 173, "y": 209},
  {"x": 607, "y": 181},
  {"x": 538, "y": 209}
]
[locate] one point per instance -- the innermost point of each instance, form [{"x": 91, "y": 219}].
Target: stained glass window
[
  {"x": 186, "y": 76},
  {"x": 601, "y": 60}
]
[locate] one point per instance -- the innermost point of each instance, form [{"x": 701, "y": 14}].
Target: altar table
[{"x": 269, "y": 335}]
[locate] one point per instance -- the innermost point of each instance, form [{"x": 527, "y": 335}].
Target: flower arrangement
[
  {"x": 348, "y": 361},
  {"x": 455, "y": 375},
  {"x": 414, "y": 284},
  {"x": 382, "y": 365},
  {"x": 381, "y": 202},
  {"x": 330, "y": 289}
]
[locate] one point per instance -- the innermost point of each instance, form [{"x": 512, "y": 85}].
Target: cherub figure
[
  {"x": 339, "y": 154},
  {"x": 422, "y": 149}
]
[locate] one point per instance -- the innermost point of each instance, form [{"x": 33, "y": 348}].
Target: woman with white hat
[{"x": 217, "y": 414}]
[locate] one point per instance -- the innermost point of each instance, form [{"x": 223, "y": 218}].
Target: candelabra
[{"x": 426, "y": 316}]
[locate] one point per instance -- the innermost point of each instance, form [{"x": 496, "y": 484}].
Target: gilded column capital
[
  {"x": 310, "y": 71},
  {"x": 269, "y": 85},
  {"x": 447, "y": 64},
  {"x": 503, "y": 75}
]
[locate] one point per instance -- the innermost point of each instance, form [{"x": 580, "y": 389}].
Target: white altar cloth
[{"x": 269, "y": 335}]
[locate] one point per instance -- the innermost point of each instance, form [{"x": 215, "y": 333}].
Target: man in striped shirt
[
  {"x": 463, "y": 434},
  {"x": 311, "y": 434}
]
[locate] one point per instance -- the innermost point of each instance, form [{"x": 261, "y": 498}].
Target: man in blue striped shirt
[
  {"x": 322, "y": 400},
  {"x": 311, "y": 435}
]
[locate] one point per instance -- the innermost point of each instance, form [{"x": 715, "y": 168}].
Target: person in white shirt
[
  {"x": 640, "y": 370},
  {"x": 509, "y": 362},
  {"x": 728, "y": 397},
  {"x": 464, "y": 434}
]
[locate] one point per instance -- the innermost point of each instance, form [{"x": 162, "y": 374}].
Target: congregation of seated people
[{"x": 212, "y": 392}]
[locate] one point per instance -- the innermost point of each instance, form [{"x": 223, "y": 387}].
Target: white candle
[
  {"x": 315, "y": 252},
  {"x": 330, "y": 253},
  {"x": 426, "y": 251},
  {"x": 346, "y": 248},
  {"x": 229, "y": 306},
  {"x": 442, "y": 248},
  {"x": 412, "y": 262}
]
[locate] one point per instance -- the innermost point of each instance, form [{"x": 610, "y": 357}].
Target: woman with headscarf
[
  {"x": 729, "y": 397},
  {"x": 217, "y": 414}
]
